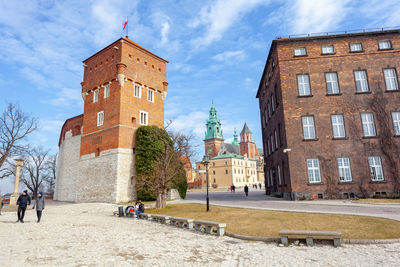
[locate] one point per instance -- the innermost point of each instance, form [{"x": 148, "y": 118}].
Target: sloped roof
[
  {"x": 228, "y": 148},
  {"x": 245, "y": 129},
  {"x": 228, "y": 155}
]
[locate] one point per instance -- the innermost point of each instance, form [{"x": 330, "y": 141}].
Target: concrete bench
[
  {"x": 309, "y": 236},
  {"x": 181, "y": 222},
  {"x": 145, "y": 216},
  {"x": 160, "y": 218},
  {"x": 208, "y": 225}
]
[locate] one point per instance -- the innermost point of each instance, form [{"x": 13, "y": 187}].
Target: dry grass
[
  {"x": 265, "y": 223},
  {"x": 378, "y": 200}
]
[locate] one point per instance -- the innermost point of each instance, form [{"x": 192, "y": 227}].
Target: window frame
[
  {"x": 356, "y": 51},
  {"x": 314, "y": 181},
  {"x": 100, "y": 118},
  {"x": 301, "y": 55},
  {"x": 345, "y": 179},
  {"x": 328, "y": 53},
  {"x": 366, "y": 79},
  {"x": 396, "y": 133},
  {"x": 344, "y": 127},
  {"x": 337, "y": 83},
  {"x": 146, "y": 117},
  {"x": 135, "y": 85},
  {"x": 298, "y": 85},
  {"x": 382, "y": 41},
  {"x": 152, "y": 95},
  {"x": 396, "y": 79},
  {"x": 302, "y": 126},
  {"x": 96, "y": 95},
  {"x": 381, "y": 167},
  {"x": 373, "y": 122},
  {"x": 107, "y": 89}
]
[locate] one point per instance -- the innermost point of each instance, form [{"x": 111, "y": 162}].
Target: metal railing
[{"x": 293, "y": 36}]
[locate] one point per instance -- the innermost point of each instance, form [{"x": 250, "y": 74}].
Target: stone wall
[{"x": 108, "y": 177}]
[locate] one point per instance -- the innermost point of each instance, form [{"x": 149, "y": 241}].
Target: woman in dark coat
[{"x": 39, "y": 204}]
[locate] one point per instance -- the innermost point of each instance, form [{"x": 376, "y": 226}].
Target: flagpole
[{"x": 127, "y": 27}]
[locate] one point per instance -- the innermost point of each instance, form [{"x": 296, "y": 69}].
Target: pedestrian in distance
[
  {"x": 39, "y": 204},
  {"x": 23, "y": 201},
  {"x": 246, "y": 190},
  {"x": 233, "y": 187},
  {"x": 1, "y": 204},
  {"x": 260, "y": 185}
]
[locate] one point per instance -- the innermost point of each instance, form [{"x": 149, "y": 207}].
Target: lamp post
[{"x": 206, "y": 162}]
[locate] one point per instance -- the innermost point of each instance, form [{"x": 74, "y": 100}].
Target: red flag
[{"x": 126, "y": 23}]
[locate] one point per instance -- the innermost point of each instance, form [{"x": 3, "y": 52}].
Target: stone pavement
[{"x": 258, "y": 200}]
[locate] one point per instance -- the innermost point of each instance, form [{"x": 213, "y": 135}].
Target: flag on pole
[{"x": 125, "y": 24}]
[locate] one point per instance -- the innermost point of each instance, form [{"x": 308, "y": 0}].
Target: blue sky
[{"x": 216, "y": 49}]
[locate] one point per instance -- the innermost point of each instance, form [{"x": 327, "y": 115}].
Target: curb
[{"x": 344, "y": 241}]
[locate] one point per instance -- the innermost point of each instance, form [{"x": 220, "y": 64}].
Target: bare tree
[
  {"x": 15, "y": 126},
  {"x": 35, "y": 170},
  {"x": 183, "y": 144},
  {"x": 50, "y": 178}
]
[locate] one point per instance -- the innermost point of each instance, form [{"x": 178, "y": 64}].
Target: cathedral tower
[
  {"x": 213, "y": 137},
  {"x": 247, "y": 146}
]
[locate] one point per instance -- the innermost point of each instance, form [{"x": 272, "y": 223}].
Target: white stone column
[{"x": 15, "y": 195}]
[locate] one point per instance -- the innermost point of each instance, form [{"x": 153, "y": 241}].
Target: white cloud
[
  {"x": 164, "y": 32},
  {"x": 314, "y": 16},
  {"x": 67, "y": 97},
  {"x": 219, "y": 17},
  {"x": 230, "y": 55}
]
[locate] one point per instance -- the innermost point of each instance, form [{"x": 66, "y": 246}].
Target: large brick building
[
  {"x": 330, "y": 115},
  {"x": 124, "y": 86}
]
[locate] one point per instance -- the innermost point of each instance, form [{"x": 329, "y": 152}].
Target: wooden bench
[
  {"x": 181, "y": 222},
  {"x": 160, "y": 218},
  {"x": 309, "y": 236},
  {"x": 145, "y": 216},
  {"x": 220, "y": 227}
]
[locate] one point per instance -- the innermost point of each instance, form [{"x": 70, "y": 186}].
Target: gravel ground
[{"x": 88, "y": 235}]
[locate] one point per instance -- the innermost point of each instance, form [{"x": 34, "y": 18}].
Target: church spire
[
  {"x": 213, "y": 125},
  {"x": 235, "y": 137}
]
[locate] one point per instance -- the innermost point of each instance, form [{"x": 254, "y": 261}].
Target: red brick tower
[{"x": 247, "y": 146}]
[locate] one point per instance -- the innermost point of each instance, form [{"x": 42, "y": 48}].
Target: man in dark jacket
[
  {"x": 23, "y": 201},
  {"x": 39, "y": 204},
  {"x": 246, "y": 190},
  {"x": 140, "y": 209}
]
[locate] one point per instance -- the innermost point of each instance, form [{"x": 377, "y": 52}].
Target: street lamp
[{"x": 206, "y": 162}]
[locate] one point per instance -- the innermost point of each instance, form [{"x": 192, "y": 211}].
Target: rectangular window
[
  {"x": 360, "y": 77},
  {"x": 276, "y": 139},
  {"x": 308, "y": 127},
  {"x": 269, "y": 110},
  {"x": 269, "y": 147},
  {"x": 314, "y": 174},
  {"x": 272, "y": 143},
  {"x": 106, "y": 90},
  {"x": 279, "y": 174},
  {"x": 95, "y": 95},
  {"x": 385, "y": 44},
  {"x": 344, "y": 170},
  {"x": 327, "y": 49},
  {"x": 356, "y": 47},
  {"x": 391, "y": 79},
  {"x": 338, "y": 126},
  {"x": 272, "y": 103},
  {"x": 143, "y": 118},
  {"x": 150, "y": 95},
  {"x": 303, "y": 83},
  {"x": 375, "y": 169},
  {"x": 368, "y": 124},
  {"x": 300, "y": 51},
  {"x": 137, "y": 91},
  {"x": 396, "y": 122},
  {"x": 100, "y": 118},
  {"x": 332, "y": 84}
]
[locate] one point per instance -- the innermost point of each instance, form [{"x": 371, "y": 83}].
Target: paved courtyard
[
  {"x": 258, "y": 199},
  {"x": 88, "y": 235}
]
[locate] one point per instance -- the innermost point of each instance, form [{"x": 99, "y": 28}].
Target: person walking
[
  {"x": 23, "y": 201},
  {"x": 1, "y": 204},
  {"x": 39, "y": 204},
  {"x": 231, "y": 188},
  {"x": 246, "y": 190},
  {"x": 234, "y": 188}
]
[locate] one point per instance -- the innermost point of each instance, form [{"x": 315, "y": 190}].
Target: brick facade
[
  {"x": 282, "y": 109},
  {"x": 103, "y": 169}
]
